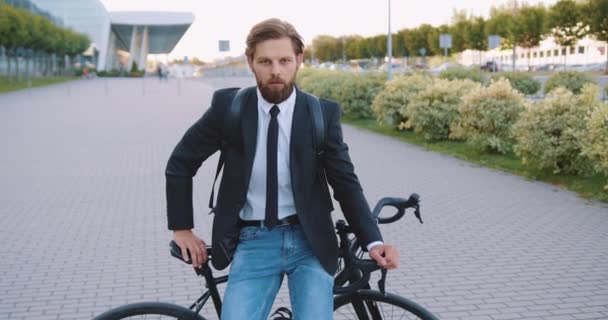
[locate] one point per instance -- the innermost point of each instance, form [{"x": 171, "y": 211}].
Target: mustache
[{"x": 277, "y": 80}]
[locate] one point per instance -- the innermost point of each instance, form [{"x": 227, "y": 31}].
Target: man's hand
[
  {"x": 189, "y": 242},
  {"x": 385, "y": 255}
]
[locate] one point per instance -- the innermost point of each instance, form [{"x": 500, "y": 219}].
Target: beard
[{"x": 276, "y": 95}]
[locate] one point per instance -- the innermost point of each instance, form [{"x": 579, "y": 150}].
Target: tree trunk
[
  {"x": 27, "y": 69},
  {"x": 8, "y": 68},
  {"x": 17, "y": 68},
  {"x": 514, "y": 57}
]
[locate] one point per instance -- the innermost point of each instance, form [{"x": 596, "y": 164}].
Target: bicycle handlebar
[
  {"x": 357, "y": 271},
  {"x": 400, "y": 204}
]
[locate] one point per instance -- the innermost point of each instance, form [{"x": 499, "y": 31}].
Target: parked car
[
  {"x": 489, "y": 66},
  {"x": 395, "y": 67}
]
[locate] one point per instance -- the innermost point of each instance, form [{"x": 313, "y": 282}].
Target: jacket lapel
[
  {"x": 299, "y": 130},
  {"x": 250, "y": 132}
]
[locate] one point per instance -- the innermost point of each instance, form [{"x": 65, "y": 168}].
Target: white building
[
  {"x": 120, "y": 38},
  {"x": 586, "y": 52}
]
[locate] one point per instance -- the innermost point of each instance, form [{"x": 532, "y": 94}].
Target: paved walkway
[{"x": 83, "y": 225}]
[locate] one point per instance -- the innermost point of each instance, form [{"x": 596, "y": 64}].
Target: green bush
[
  {"x": 461, "y": 72},
  {"x": 111, "y": 73},
  {"x": 548, "y": 131},
  {"x": 391, "y": 105},
  {"x": 594, "y": 139},
  {"x": 571, "y": 80},
  {"x": 487, "y": 116},
  {"x": 322, "y": 83},
  {"x": 355, "y": 92},
  {"x": 521, "y": 82},
  {"x": 432, "y": 110}
]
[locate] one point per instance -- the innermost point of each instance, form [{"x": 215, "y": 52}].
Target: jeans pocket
[{"x": 248, "y": 233}]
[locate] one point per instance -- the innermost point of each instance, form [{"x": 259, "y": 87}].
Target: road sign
[
  {"x": 224, "y": 45},
  {"x": 493, "y": 41},
  {"x": 445, "y": 41}
]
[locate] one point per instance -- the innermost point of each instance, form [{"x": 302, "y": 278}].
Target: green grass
[
  {"x": 7, "y": 86},
  {"x": 588, "y": 187}
]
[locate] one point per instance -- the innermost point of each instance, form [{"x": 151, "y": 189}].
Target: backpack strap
[
  {"x": 314, "y": 108},
  {"x": 230, "y": 133}
]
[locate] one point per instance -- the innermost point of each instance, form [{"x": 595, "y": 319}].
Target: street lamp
[{"x": 389, "y": 45}]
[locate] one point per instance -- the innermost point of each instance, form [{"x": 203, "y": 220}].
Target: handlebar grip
[
  {"x": 398, "y": 203},
  {"x": 176, "y": 252}
]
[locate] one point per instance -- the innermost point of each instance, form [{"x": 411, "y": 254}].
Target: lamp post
[{"x": 389, "y": 45}]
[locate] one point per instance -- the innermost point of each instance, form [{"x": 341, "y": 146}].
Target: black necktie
[{"x": 272, "y": 179}]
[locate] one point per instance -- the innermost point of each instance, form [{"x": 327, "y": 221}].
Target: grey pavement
[{"x": 83, "y": 226}]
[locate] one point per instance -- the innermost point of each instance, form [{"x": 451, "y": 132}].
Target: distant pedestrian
[{"x": 159, "y": 71}]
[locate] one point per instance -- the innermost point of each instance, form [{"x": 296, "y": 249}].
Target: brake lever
[{"x": 382, "y": 282}]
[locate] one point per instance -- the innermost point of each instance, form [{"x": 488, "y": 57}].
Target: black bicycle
[{"x": 353, "y": 296}]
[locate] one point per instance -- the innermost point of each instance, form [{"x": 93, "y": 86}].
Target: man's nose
[{"x": 276, "y": 70}]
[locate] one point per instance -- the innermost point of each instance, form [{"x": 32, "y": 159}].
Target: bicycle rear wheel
[
  {"x": 372, "y": 305},
  {"x": 149, "y": 311}
]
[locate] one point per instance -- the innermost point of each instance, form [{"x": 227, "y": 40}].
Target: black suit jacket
[{"x": 311, "y": 194}]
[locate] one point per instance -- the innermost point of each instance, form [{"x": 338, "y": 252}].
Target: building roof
[{"x": 165, "y": 29}]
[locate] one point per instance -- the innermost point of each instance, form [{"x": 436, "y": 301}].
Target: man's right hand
[{"x": 189, "y": 242}]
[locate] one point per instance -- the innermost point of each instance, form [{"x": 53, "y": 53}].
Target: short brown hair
[{"x": 273, "y": 29}]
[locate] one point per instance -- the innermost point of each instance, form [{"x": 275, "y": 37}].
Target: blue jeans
[{"x": 261, "y": 260}]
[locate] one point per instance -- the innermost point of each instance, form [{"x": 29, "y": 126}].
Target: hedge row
[{"x": 564, "y": 133}]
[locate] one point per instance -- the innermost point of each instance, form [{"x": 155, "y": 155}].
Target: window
[
  {"x": 581, "y": 50},
  {"x": 572, "y": 50},
  {"x": 548, "y": 53},
  {"x": 522, "y": 55},
  {"x": 528, "y": 55},
  {"x": 534, "y": 54},
  {"x": 563, "y": 51},
  {"x": 556, "y": 52},
  {"x": 542, "y": 54}
]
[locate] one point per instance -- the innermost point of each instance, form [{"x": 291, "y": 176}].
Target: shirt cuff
[{"x": 373, "y": 244}]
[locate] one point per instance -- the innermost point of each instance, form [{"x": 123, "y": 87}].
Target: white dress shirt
[{"x": 255, "y": 205}]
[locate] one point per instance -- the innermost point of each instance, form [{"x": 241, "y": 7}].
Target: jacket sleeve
[
  {"x": 199, "y": 142},
  {"x": 341, "y": 176}
]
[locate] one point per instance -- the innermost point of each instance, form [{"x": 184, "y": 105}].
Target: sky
[{"x": 231, "y": 19}]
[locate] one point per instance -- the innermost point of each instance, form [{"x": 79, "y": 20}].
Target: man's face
[{"x": 275, "y": 65}]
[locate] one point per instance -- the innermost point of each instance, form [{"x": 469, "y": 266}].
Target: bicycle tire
[
  {"x": 149, "y": 310},
  {"x": 378, "y": 306}
]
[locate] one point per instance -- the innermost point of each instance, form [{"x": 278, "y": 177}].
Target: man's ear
[{"x": 300, "y": 58}]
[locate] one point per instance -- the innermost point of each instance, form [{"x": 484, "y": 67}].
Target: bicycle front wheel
[
  {"x": 372, "y": 305},
  {"x": 149, "y": 310}
]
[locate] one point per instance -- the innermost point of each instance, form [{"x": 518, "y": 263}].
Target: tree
[
  {"x": 325, "y": 47},
  {"x": 417, "y": 39},
  {"x": 354, "y": 47},
  {"x": 475, "y": 36},
  {"x": 502, "y": 22},
  {"x": 596, "y": 13},
  {"x": 565, "y": 20},
  {"x": 458, "y": 30},
  {"x": 529, "y": 27},
  {"x": 16, "y": 34}
]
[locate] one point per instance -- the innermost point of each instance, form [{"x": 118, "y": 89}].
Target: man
[{"x": 273, "y": 204}]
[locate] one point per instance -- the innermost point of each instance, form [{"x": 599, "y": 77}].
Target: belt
[{"x": 293, "y": 219}]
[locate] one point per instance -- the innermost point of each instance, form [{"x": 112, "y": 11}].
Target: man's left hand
[{"x": 385, "y": 255}]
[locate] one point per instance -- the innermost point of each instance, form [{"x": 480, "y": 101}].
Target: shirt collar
[{"x": 289, "y": 103}]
